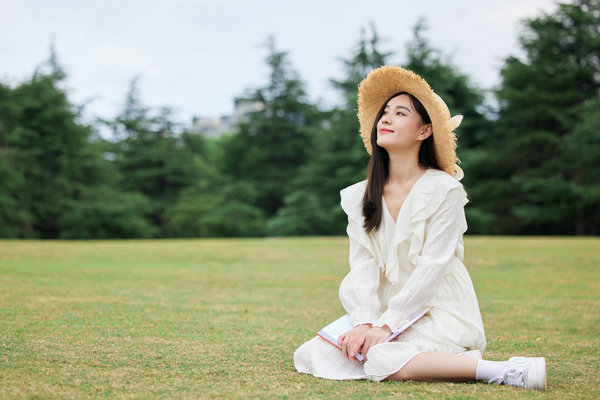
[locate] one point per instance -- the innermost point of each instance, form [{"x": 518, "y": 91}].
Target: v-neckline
[{"x": 405, "y": 199}]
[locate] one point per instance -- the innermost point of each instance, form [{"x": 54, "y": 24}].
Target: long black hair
[{"x": 379, "y": 165}]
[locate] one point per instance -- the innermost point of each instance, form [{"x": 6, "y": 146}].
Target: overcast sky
[{"x": 197, "y": 55}]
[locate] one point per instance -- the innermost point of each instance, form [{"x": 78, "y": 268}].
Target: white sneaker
[{"x": 525, "y": 372}]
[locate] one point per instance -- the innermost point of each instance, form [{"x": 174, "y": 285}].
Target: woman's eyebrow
[{"x": 404, "y": 107}]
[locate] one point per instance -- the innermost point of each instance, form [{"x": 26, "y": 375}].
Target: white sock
[{"x": 487, "y": 370}]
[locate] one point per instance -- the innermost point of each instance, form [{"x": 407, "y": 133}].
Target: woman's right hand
[{"x": 352, "y": 341}]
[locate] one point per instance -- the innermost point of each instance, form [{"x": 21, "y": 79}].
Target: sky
[{"x": 196, "y": 56}]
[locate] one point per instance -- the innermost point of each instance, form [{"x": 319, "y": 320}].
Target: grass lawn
[{"x": 222, "y": 318}]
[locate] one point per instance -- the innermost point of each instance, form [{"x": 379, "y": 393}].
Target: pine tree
[
  {"x": 13, "y": 216},
  {"x": 338, "y": 157},
  {"x": 268, "y": 149},
  {"x": 537, "y": 182},
  {"x": 151, "y": 159},
  {"x": 56, "y": 183},
  {"x": 462, "y": 97}
]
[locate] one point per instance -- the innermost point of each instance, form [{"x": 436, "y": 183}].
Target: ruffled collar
[
  {"x": 422, "y": 201},
  {"x": 414, "y": 188}
]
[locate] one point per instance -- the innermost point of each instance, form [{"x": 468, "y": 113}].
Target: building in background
[{"x": 216, "y": 126}]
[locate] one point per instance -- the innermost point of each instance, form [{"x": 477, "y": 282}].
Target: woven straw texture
[{"x": 384, "y": 82}]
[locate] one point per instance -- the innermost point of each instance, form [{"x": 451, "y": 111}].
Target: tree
[
  {"x": 101, "y": 209},
  {"x": 462, "y": 98},
  {"x": 151, "y": 160},
  {"x": 337, "y": 158},
  {"x": 583, "y": 166},
  {"x": 50, "y": 167},
  {"x": 45, "y": 140},
  {"x": 537, "y": 178},
  {"x": 274, "y": 143},
  {"x": 218, "y": 208},
  {"x": 340, "y": 158},
  {"x": 215, "y": 205}
]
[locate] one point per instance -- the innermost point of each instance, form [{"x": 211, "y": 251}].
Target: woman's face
[{"x": 401, "y": 127}]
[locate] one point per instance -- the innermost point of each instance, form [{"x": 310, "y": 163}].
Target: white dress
[{"x": 396, "y": 270}]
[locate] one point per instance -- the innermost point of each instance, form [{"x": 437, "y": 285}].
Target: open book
[{"x": 332, "y": 332}]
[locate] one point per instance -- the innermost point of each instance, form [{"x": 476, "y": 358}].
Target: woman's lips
[{"x": 384, "y": 130}]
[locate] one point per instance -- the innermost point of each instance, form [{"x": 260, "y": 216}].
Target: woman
[{"x": 405, "y": 226}]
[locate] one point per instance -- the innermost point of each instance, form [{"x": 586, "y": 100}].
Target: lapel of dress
[
  {"x": 408, "y": 229},
  {"x": 421, "y": 203}
]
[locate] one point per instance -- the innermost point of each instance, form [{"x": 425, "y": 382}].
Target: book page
[
  {"x": 337, "y": 327},
  {"x": 332, "y": 332}
]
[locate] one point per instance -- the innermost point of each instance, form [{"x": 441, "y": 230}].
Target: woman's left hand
[{"x": 373, "y": 336}]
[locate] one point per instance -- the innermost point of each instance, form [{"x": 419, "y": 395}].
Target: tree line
[{"x": 531, "y": 159}]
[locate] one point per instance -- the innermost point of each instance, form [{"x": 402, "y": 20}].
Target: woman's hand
[
  {"x": 352, "y": 341},
  {"x": 373, "y": 336}
]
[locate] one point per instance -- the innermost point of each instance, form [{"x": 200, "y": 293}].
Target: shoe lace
[{"x": 512, "y": 375}]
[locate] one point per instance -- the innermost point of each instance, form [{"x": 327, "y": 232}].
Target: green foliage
[
  {"x": 46, "y": 157},
  {"x": 451, "y": 85},
  {"x": 56, "y": 182},
  {"x": 303, "y": 214},
  {"x": 101, "y": 212},
  {"x": 45, "y": 140},
  {"x": 218, "y": 209},
  {"x": 338, "y": 157},
  {"x": 152, "y": 160},
  {"x": 532, "y": 167},
  {"x": 572, "y": 196},
  {"x": 12, "y": 215},
  {"x": 274, "y": 143},
  {"x": 541, "y": 157},
  {"x": 462, "y": 98}
]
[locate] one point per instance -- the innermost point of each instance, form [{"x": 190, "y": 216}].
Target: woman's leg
[
  {"x": 525, "y": 372},
  {"x": 434, "y": 366}
]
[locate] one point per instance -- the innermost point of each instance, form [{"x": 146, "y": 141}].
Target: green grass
[{"x": 222, "y": 318}]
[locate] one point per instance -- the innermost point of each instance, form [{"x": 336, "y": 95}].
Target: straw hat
[{"x": 384, "y": 82}]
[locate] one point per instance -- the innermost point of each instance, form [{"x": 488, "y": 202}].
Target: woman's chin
[
  {"x": 386, "y": 144},
  {"x": 381, "y": 141}
]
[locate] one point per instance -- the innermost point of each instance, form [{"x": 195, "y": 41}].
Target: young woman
[{"x": 405, "y": 226}]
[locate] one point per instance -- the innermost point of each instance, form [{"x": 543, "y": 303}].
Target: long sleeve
[
  {"x": 443, "y": 233},
  {"x": 358, "y": 290}
]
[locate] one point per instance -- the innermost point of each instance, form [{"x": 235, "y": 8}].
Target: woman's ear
[{"x": 426, "y": 131}]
